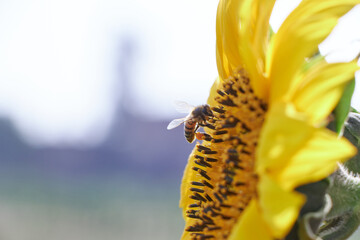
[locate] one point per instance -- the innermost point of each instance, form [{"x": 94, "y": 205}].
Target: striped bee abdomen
[{"x": 190, "y": 130}]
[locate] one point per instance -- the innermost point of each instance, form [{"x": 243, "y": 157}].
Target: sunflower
[{"x": 272, "y": 102}]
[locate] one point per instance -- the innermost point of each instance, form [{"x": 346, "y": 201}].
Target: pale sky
[{"x": 59, "y": 76}]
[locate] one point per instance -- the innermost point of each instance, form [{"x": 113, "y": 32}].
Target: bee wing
[
  {"x": 176, "y": 122},
  {"x": 183, "y": 107}
]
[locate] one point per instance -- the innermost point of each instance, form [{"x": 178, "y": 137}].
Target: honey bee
[{"x": 197, "y": 116}]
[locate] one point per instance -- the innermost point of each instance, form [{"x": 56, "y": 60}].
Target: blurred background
[{"x": 86, "y": 93}]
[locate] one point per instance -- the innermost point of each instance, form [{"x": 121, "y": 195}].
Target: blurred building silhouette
[
  {"x": 139, "y": 160},
  {"x": 134, "y": 144}
]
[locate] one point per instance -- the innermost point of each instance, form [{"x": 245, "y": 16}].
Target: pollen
[{"x": 225, "y": 180}]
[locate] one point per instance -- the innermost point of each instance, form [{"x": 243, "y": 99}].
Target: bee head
[{"x": 207, "y": 111}]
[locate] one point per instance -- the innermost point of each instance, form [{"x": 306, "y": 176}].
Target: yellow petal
[
  {"x": 280, "y": 208},
  {"x": 322, "y": 87},
  {"x": 223, "y": 65},
  {"x": 298, "y": 37},
  {"x": 260, "y": 20},
  {"x": 213, "y": 92},
  {"x": 255, "y": 32},
  {"x": 251, "y": 225},
  {"x": 293, "y": 152},
  {"x": 228, "y": 37},
  {"x": 283, "y": 133},
  {"x": 316, "y": 160},
  {"x": 242, "y": 29}
]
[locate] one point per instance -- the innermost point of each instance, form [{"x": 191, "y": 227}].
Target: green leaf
[
  {"x": 313, "y": 211},
  {"x": 344, "y": 216},
  {"x": 343, "y": 108},
  {"x": 340, "y": 228},
  {"x": 354, "y": 110},
  {"x": 312, "y": 221},
  {"x": 352, "y": 125}
]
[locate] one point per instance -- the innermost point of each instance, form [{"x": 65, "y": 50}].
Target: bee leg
[{"x": 197, "y": 127}]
